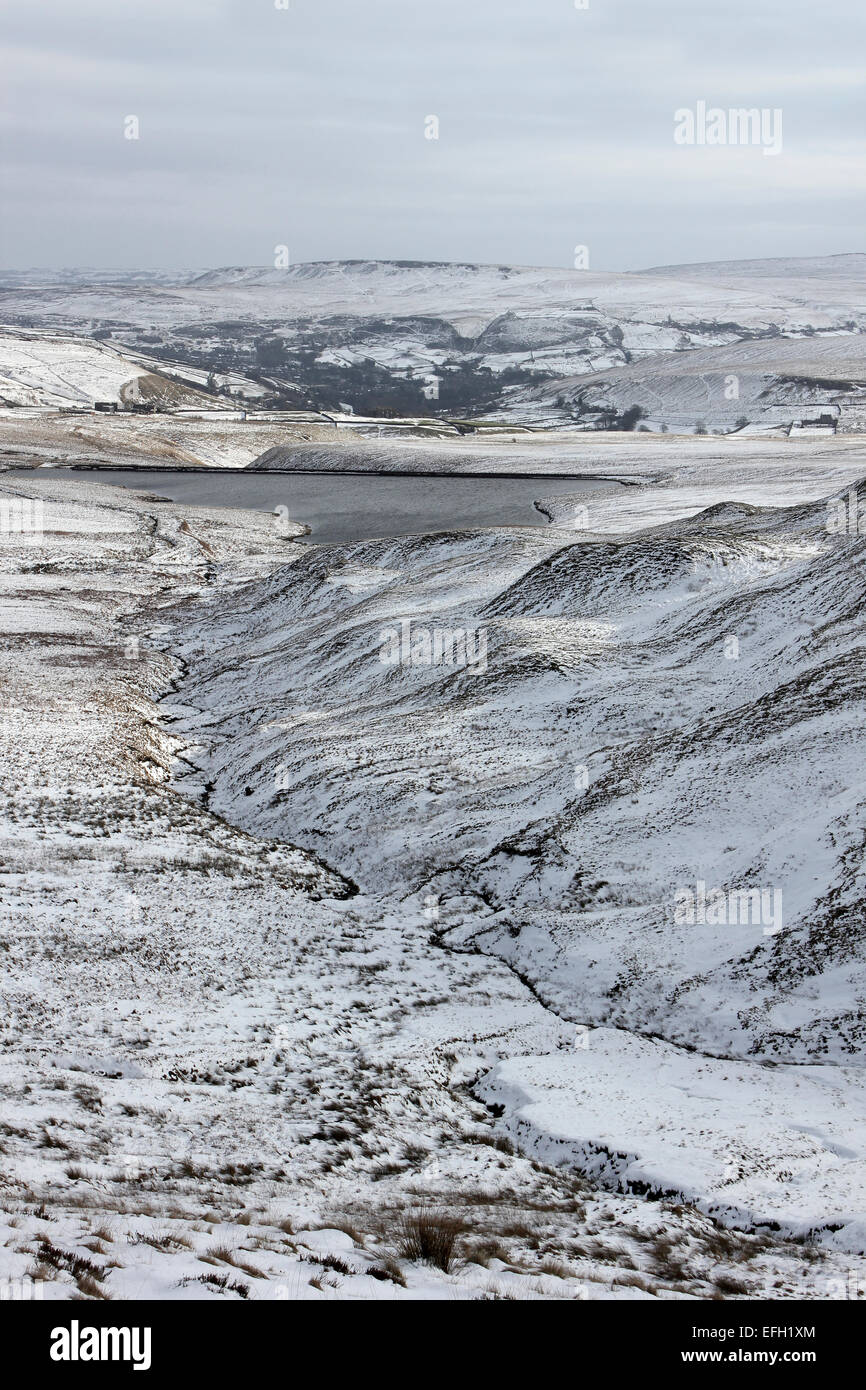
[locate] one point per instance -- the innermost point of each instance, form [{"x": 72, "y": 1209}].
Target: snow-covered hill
[
  {"x": 659, "y": 712},
  {"x": 759, "y": 384},
  {"x": 57, "y": 370},
  {"x": 847, "y": 269},
  {"x": 473, "y": 296}
]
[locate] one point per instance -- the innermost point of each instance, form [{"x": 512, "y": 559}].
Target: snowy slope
[
  {"x": 765, "y": 382},
  {"x": 659, "y": 709},
  {"x": 43, "y": 370},
  {"x": 59, "y": 370},
  {"x": 472, "y": 296},
  {"x": 226, "y": 1074}
]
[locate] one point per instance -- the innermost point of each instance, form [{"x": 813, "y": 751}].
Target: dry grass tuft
[
  {"x": 430, "y": 1236},
  {"x": 389, "y": 1269},
  {"x": 726, "y": 1284},
  {"x": 89, "y": 1288}
]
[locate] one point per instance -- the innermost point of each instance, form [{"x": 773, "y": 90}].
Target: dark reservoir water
[{"x": 347, "y": 507}]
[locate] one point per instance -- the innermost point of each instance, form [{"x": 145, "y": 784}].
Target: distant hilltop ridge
[{"x": 843, "y": 264}]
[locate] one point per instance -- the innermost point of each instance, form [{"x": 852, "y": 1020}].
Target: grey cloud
[{"x": 305, "y": 126}]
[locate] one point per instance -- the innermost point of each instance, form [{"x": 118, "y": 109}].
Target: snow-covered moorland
[
  {"x": 772, "y": 341},
  {"x": 321, "y": 967}
]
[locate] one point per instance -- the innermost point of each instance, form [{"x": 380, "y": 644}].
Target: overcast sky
[{"x": 305, "y": 126}]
